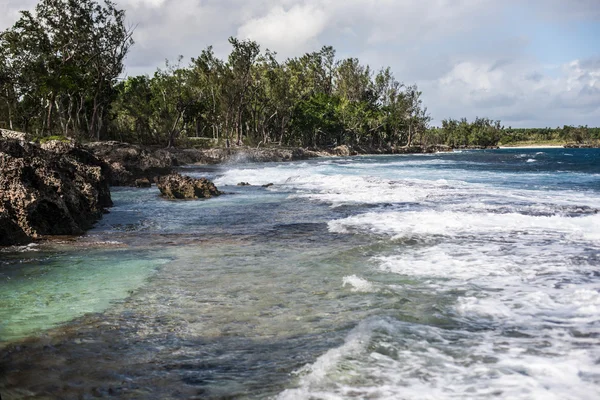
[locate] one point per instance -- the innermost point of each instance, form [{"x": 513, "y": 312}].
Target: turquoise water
[{"x": 460, "y": 275}]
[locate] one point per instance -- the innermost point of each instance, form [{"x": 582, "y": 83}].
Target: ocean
[{"x": 465, "y": 275}]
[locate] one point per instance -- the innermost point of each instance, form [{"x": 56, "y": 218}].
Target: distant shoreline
[{"x": 533, "y": 146}]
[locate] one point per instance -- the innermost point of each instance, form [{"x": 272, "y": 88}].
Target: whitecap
[{"x": 358, "y": 284}]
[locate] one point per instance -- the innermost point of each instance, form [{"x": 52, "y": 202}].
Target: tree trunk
[{"x": 49, "y": 116}]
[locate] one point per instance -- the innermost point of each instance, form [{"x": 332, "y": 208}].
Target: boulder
[
  {"x": 54, "y": 189},
  {"x": 343, "y": 151},
  {"x": 7, "y": 134},
  {"x": 243, "y": 184},
  {"x": 143, "y": 183},
  {"x": 176, "y": 186}
]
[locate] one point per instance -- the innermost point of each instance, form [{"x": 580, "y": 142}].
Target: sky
[{"x": 533, "y": 63}]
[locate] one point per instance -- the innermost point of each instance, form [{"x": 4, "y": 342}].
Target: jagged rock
[
  {"x": 176, "y": 186},
  {"x": 143, "y": 183},
  {"x": 243, "y": 184},
  {"x": 581, "y": 145},
  {"x": 7, "y": 134},
  {"x": 129, "y": 162},
  {"x": 54, "y": 189},
  {"x": 267, "y": 185},
  {"x": 342, "y": 150}
]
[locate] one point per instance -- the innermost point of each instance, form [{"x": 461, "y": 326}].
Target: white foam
[
  {"x": 358, "y": 284},
  {"x": 427, "y": 223},
  {"x": 516, "y": 268},
  {"x": 387, "y": 359},
  {"x": 326, "y": 369},
  {"x": 31, "y": 247}
]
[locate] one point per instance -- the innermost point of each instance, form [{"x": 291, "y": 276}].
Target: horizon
[{"x": 529, "y": 65}]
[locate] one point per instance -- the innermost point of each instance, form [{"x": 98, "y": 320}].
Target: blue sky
[{"x": 529, "y": 63}]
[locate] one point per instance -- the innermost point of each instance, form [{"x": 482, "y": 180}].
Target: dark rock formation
[
  {"x": 267, "y": 185},
  {"x": 143, "y": 183},
  {"x": 129, "y": 162},
  {"x": 343, "y": 151},
  {"x": 54, "y": 189},
  {"x": 581, "y": 145},
  {"x": 246, "y": 154},
  {"x": 243, "y": 184},
  {"x": 177, "y": 186}
]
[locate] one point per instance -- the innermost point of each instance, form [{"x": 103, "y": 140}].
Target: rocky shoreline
[
  {"x": 130, "y": 163},
  {"x": 62, "y": 188},
  {"x": 51, "y": 189}
]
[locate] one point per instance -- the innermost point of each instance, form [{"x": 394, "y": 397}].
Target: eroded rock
[
  {"x": 130, "y": 162},
  {"x": 54, "y": 189},
  {"x": 176, "y": 186},
  {"x": 143, "y": 183}
]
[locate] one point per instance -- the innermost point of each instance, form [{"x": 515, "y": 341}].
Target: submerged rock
[
  {"x": 176, "y": 186},
  {"x": 54, "y": 189}
]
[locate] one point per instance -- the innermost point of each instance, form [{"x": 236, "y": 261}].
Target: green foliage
[
  {"x": 58, "y": 138},
  {"x": 59, "y": 65},
  {"x": 568, "y": 133},
  {"x": 482, "y": 132},
  {"x": 251, "y": 98}
]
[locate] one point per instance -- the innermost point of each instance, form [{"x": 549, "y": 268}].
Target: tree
[{"x": 63, "y": 61}]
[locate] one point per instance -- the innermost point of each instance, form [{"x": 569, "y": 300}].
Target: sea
[{"x": 464, "y": 275}]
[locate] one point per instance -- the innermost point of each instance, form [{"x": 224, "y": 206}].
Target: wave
[
  {"x": 410, "y": 224},
  {"x": 383, "y": 358}
]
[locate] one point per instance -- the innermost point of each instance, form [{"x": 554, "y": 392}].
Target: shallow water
[{"x": 461, "y": 275}]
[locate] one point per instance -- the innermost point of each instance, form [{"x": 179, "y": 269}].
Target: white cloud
[
  {"x": 570, "y": 95},
  {"x": 287, "y": 31}
]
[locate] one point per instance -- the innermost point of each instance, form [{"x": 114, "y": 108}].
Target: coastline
[{"x": 533, "y": 146}]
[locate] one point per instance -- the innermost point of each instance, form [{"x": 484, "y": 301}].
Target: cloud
[
  {"x": 287, "y": 31},
  {"x": 9, "y": 11},
  {"x": 521, "y": 99}
]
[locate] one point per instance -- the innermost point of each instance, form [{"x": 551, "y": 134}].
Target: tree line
[
  {"x": 61, "y": 69},
  {"x": 484, "y": 132},
  {"x": 252, "y": 98}
]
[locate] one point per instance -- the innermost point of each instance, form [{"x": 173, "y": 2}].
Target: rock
[
  {"x": 143, "y": 183},
  {"x": 243, "y": 184},
  {"x": 6, "y": 134},
  {"x": 581, "y": 146},
  {"x": 176, "y": 186},
  {"x": 343, "y": 151},
  {"x": 129, "y": 162},
  {"x": 267, "y": 185},
  {"x": 55, "y": 189}
]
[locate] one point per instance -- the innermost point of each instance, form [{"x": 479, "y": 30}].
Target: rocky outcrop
[
  {"x": 54, "y": 189},
  {"x": 143, "y": 183},
  {"x": 176, "y": 186},
  {"x": 129, "y": 162},
  {"x": 237, "y": 155},
  {"x": 582, "y": 145},
  {"x": 343, "y": 151},
  {"x": 6, "y": 134}
]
